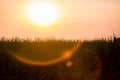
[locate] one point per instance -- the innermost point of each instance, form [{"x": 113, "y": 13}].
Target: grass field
[{"x": 93, "y": 60}]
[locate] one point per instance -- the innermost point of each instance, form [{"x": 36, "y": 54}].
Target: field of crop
[{"x": 92, "y": 60}]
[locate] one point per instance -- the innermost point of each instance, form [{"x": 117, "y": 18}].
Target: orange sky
[{"x": 84, "y": 19}]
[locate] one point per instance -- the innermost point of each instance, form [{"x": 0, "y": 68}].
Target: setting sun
[{"x": 43, "y": 13}]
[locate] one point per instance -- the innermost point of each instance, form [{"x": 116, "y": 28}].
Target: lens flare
[
  {"x": 69, "y": 63},
  {"x": 66, "y": 55}
]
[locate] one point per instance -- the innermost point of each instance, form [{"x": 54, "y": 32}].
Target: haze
[{"x": 83, "y": 19}]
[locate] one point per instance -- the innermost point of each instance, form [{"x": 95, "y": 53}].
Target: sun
[{"x": 43, "y": 13}]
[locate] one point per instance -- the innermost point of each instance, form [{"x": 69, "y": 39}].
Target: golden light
[{"x": 43, "y": 13}]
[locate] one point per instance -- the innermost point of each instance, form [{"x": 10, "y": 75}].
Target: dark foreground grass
[{"x": 94, "y": 60}]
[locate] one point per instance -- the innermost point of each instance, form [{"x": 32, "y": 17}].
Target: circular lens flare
[{"x": 66, "y": 55}]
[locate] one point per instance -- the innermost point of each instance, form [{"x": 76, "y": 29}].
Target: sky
[{"x": 83, "y": 19}]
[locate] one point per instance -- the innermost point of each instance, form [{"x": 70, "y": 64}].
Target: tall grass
[{"x": 94, "y": 60}]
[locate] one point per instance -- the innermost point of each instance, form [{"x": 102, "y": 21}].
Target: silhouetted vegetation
[{"x": 94, "y": 60}]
